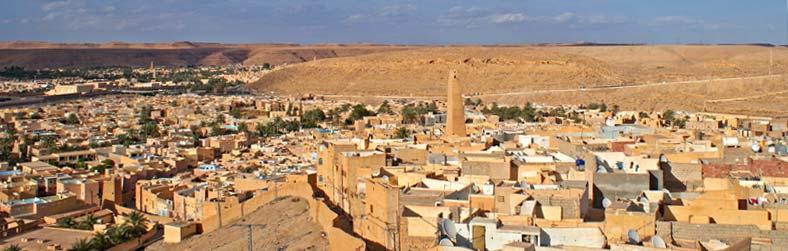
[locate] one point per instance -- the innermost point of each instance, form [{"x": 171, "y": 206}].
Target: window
[{"x": 500, "y": 199}]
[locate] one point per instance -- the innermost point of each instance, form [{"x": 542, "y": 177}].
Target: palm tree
[
  {"x": 101, "y": 241},
  {"x": 13, "y": 247},
  {"x": 80, "y": 245},
  {"x": 117, "y": 235},
  {"x": 137, "y": 224},
  {"x": 67, "y": 222},
  {"x": 88, "y": 222}
]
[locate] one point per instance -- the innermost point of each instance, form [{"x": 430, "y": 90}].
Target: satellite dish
[
  {"x": 606, "y": 202},
  {"x": 658, "y": 242},
  {"x": 448, "y": 229},
  {"x": 663, "y": 159},
  {"x": 445, "y": 242},
  {"x": 633, "y": 237},
  {"x": 756, "y": 148}
]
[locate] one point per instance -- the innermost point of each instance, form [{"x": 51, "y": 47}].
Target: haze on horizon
[{"x": 399, "y": 22}]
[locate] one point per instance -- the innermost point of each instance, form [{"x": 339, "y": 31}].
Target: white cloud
[
  {"x": 505, "y": 18},
  {"x": 390, "y": 13}
]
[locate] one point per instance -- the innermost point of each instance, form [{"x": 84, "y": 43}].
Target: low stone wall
[{"x": 686, "y": 233}]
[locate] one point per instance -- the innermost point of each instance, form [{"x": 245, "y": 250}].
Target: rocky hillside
[
  {"x": 551, "y": 74},
  {"x": 44, "y": 55}
]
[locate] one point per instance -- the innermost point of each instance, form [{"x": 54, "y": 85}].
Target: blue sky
[{"x": 412, "y": 22}]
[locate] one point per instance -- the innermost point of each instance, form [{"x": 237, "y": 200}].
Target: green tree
[
  {"x": 242, "y": 127},
  {"x": 88, "y": 222},
  {"x": 101, "y": 241},
  {"x": 668, "y": 116},
  {"x": 81, "y": 164},
  {"x": 136, "y": 223},
  {"x": 402, "y": 133},
  {"x": 144, "y": 116},
  {"x": 235, "y": 112},
  {"x": 359, "y": 112},
  {"x": 80, "y": 245},
  {"x": 385, "y": 108},
  {"x": 67, "y": 222},
  {"x": 311, "y": 118},
  {"x": 149, "y": 129}
]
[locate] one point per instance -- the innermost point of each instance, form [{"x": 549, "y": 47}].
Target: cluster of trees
[
  {"x": 6, "y": 148},
  {"x": 412, "y": 113},
  {"x": 470, "y": 102},
  {"x": 17, "y": 72},
  {"x": 214, "y": 85},
  {"x": 358, "y": 112},
  {"x": 527, "y": 113},
  {"x": 669, "y": 118},
  {"x": 133, "y": 227},
  {"x": 385, "y": 108},
  {"x": 311, "y": 118},
  {"x": 106, "y": 164},
  {"x": 276, "y": 127},
  {"x": 594, "y": 106},
  {"x": 402, "y": 133}
]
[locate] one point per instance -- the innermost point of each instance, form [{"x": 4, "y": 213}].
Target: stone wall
[
  {"x": 681, "y": 177},
  {"x": 688, "y": 234},
  {"x": 618, "y": 185}
]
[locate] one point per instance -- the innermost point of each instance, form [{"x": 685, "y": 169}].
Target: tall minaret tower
[
  {"x": 455, "y": 120},
  {"x": 153, "y": 70}
]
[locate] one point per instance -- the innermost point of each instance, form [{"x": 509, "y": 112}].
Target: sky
[{"x": 396, "y": 21}]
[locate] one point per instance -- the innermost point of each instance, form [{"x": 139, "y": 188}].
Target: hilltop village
[{"x": 127, "y": 171}]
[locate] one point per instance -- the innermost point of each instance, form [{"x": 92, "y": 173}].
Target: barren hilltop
[
  {"x": 44, "y": 55},
  {"x": 652, "y": 77}
]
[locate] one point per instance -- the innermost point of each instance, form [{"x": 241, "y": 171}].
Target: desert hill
[
  {"x": 553, "y": 75},
  {"x": 32, "y": 54}
]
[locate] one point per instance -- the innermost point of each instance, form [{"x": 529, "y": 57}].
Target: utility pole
[
  {"x": 218, "y": 188},
  {"x": 249, "y": 229}
]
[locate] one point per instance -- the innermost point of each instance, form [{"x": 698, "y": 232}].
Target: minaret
[
  {"x": 153, "y": 69},
  {"x": 455, "y": 120}
]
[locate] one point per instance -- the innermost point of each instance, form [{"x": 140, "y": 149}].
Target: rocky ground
[
  {"x": 558, "y": 75},
  {"x": 282, "y": 225}
]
